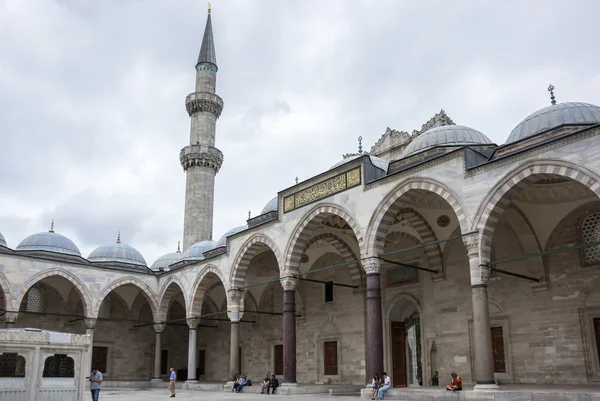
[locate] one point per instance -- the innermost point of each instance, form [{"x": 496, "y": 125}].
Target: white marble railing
[
  {"x": 13, "y": 394},
  {"x": 56, "y": 394}
]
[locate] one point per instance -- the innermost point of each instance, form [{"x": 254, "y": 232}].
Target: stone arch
[
  {"x": 306, "y": 227},
  {"x": 498, "y": 199},
  {"x": 167, "y": 293},
  {"x": 343, "y": 249},
  {"x": 248, "y": 251},
  {"x": 138, "y": 306},
  {"x": 389, "y": 207},
  {"x": 81, "y": 288},
  {"x": 6, "y": 292},
  {"x": 200, "y": 287},
  {"x": 146, "y": 290},
  {"x": 404, "y": 296}
]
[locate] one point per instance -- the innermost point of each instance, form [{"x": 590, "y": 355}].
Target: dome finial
[
  {"x": 296, "y": 180},
  {"x": 52, "y": 226},
  {"x": 209, "y": 7},
  {"x": 551, "y": 90},
  {"x": 249, "y": 214},
  {"x": 179, "y": 246},
  {"x": 119, "y": 237},
  {"x": 360, "y": 145}
]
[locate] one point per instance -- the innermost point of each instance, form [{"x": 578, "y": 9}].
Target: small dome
[
  {"x": 554, "y": 116},
  {"x": 196, "y": 251},
  {"x": 223, "y": 240},
  {"x": 272, "y": 206},
  {"x": 166, "y": 260},
  {"x": 445, "y": 135},
  {"x": 376, "y": 161},
  {"x": 49, "y": 242},
  {"x": 2, "y": 240},
  {"x": 118, "y": 252}
]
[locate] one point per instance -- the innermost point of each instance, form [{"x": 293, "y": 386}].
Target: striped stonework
[
  {"x": 143, "y": 287},
  {"x": 208, "y": 277},
  {"x": 168, "y": 292},
  {"x": 81, "y": 288},
  {"x": 6, "y": 291},
  {"x": 398, "y": 199},
  {"x": 343, "y": 250},
  {"x": 304, "y": 231},
  {"x": 249, "y": 250},
  {"x": 499, "y": 199}
]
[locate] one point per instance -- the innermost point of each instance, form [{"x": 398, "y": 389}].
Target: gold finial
[
  {"x": 209, "y": 7},
  {"x": 552, "y": 98}
]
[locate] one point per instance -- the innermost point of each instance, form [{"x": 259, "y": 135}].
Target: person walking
[
  {"x": 95, "y": 383},
  {"x": 172, "y": 381}
]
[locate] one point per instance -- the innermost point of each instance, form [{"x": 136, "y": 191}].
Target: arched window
[
  {"x": 278, "y": 299},
  {"x": 35, "y": 299},
  {"x": 59, "y": 365},
  {"x": 12, "y": 365},
  {"x": 590, "y": 232},
  {"x": 104, "y": 311}
]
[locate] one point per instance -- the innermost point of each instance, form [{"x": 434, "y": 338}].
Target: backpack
[{"x": 249, "y": 383}]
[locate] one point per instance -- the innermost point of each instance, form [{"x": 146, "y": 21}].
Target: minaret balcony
[
  {"x": 201, "y": 155},
  {"x": 203, "y": 101}
]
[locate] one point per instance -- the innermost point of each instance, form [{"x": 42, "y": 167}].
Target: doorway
[
  {"x": 398, "y": 354},
  {"x": 405, "y": 344}
]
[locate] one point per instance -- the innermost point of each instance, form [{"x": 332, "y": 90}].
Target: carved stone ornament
[
  {"x": 372, "y": 266},
  {"x": 192, "y": 322},
  {"x": 201, "y": 155},
  {"x": 159, "y": 327},
  {"x": 10, "y": 317},
  {"x": 289, "y": 283},
  {"x": 472, "y": 244},
  {"x": 90, "y": 323},
  {"x": 304, "y": 258},
  {"x": 204, "y": 102},
  {"x": 235, "y": 296},
  {"x": 443, "y": 221}
]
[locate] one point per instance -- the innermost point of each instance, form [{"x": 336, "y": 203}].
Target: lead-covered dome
[
  {"x": 223, "y": 240},
  {"x": 446, "y": 135},
  {"x": 195, "y": 252},
  {"x": 2, "y": 240},
  {"x": 166, "y": 260},
  {"x": 553, "y": 116},
  {"x": 49, "y": 242},
  {"x": 118, "y": 252},
  {"x": 271, "y": 206}
]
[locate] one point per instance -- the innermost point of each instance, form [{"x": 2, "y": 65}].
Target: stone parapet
[
  {"x": 201, "y": 155},
  {"x": 204, "y": 102}
]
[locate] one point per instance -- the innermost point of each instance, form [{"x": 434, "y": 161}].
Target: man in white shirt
[{"x": 387, "y": 382}]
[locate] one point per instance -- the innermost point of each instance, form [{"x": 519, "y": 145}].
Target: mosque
[{"x": 434, "y": 251}]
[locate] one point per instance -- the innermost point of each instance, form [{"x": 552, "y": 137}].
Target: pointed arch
[
  {"x": 398, "y": 199},
  {"x": 6, "y": 291},
  {"x": 168, "y": 291},
  {"x": 145, "y": 289},
  {"x": 81, "y": 288},
  {"x": 200, "y": 288},
  {"x": 498, "y": 199},
  {"x": 307, "y": 226},
  {"x": 245, "y": 255},
  {"x": 343, "y": 249}
]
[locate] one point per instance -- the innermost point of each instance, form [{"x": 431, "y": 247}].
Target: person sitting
[
  {"x": 387, "y": 382},
  {"x": 237, "y": 383},
  {"x": 376, "y": 383},
  {"x": 435, "y": 381},
  {"x": 455, "y": 383},
  {"x": 274, "y": 384},
  {"x": 265, "y": 384},
  {"x": 243, "y": 383}
]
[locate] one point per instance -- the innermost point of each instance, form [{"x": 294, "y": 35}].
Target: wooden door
[
  {"x": 99, "y": 356},
  {"x": 498, "y": 350},
  {"x": 597, "y": 335},
  {"x": 201, "y": 363},
  {"x": 398, "y": 355},
  {"x": 240, "y": 362},
  {"x": 164, "y": 361},
  {"x": 330, "y": 358},
  {"x": 278, "y": 350}
]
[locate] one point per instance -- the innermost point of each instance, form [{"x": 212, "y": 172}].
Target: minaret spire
[{"x": 207, "y": 50}]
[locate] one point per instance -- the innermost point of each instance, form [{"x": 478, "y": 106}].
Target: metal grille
[
  {"x": 278, "y": 299},
  {"x": 59, "y": 365},
  {"x": 35, "y": 299},
  {"x": 104, "y": 311},
  {"x": 590, "y": 230},
  {"x": 12, "y": 365}
]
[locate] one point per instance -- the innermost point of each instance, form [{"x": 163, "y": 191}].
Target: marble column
[
  {"x": 90, "y": 325},
  {"x": 158, "y": 328},
  {"x": 374, "y": 318},
  {"x": 234, "y": 308},
  {"x": 192, "y": 348},
  {"x": 289, "y": 330},
  {"x": 484, "y": 358}
]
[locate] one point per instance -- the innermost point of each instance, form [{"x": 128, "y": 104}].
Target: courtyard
[{"x": 186, "y": 395}]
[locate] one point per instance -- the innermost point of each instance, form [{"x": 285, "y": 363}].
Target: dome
[
  {"x": 49, "y": 242},
  {"x": 118, "y": 252},
  {"x": 196, "y": 251},
  {"x": 376, "y": 161},
  {"x": 445, "y": 135},
  {"x": 223, "y": 240},
  {"x": 554, "y": 116},
  {"x": 272, "y": 206},
  {"x": 166, "y": 260},
  {"x": 2, "y": 240}
]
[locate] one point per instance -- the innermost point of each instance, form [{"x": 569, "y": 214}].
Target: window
[
  {"x": 597, "y": 335},
  {"x": 329, "y": 291},
  {"x": 12, "y": 365},
  {"x": 278, "y": 351},
  {"x": 590, "y": 232},
  {"x": 240, "y": 362},
  {"x": 99, "y": 356},
  {"x": 330, "y": 358},
  {"x": 164, "y": 361},
  {"x": 59, "y": 365},
  {"x": 278, "y": 299},
  {"x": 498, "y": 350},
  {"x": 35, "y": 299}
]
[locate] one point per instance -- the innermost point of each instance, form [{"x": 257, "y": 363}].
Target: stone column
[
  {"x": 192, "y": 349},
  {"x": 234, "y": 307},
  {"x": 484, "y": 358},
  {"x": 158, "y": 328},
  {"x": 90, "y": 324},
  {"x": 374, "y": 319},
  {"x": 289, "y": 330}
]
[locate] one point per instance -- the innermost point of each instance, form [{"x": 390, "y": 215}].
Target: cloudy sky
[{"x": 92, "y": 113}]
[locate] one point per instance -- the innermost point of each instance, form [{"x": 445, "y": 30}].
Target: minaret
[{"x": 201, "y": 160}]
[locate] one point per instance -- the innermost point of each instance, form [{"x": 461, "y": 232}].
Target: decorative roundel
[
  {"x": 443, "y": 221},
  {"x": 304, "y": 258}
]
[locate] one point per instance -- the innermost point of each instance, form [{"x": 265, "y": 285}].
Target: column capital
[
  {"x": 288, "y": 283},
  {"x": 159, "y": 327},
  {"x": 472, "y": 242},
  {"x": 10, "y": 317},
  {"x": 90, "y": 323},
  {"x": 235, "y": 296},
  {"x": 372, "y": 266},
  {"x": 193, "y": 322}
]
